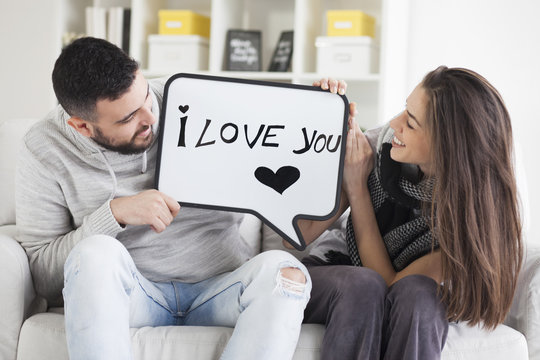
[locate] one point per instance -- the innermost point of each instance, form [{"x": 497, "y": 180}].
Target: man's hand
[{"x": 149, "y": 207}]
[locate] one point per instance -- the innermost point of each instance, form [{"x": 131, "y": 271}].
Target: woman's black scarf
[{"x": 398, "y": 194}]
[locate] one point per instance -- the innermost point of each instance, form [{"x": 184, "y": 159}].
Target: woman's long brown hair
[{"x": 475, "y": 210}]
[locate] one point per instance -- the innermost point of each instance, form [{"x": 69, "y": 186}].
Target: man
[{"x": 125, "y": 255}]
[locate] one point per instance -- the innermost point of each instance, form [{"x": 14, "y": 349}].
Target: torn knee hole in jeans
[{"x": 286, "y": 286}]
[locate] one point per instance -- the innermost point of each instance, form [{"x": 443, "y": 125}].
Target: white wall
[
  {"x": 499, "y": 39},
  {"x": 30, "y": 44}
]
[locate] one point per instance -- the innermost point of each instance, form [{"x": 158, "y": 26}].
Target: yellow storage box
[
  {"x": 349, "y": 23},
  {"x": 183, "y": 22}
]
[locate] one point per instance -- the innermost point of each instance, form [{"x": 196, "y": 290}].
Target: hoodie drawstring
[
  {"x": 111, "y": 172},
  {"x": 144, "y": 161},
  {"x": 113, "y": 175}
]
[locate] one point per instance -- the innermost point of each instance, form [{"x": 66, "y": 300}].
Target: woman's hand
[
  {"x": 335, "y": 86},
  {"x": 358, "y": 161},
  {"x": 359, "y": 156}
]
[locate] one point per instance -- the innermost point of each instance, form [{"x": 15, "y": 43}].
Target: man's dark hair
[{"x": 89, "y": 70}]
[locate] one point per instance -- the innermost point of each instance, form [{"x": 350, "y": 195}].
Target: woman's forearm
[{"x": 370, "y": 244}]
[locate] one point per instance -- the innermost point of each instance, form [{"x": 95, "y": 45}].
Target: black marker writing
[
  {"x": 235, "y": 134},
  {"x": 267, "y": 135},
  {"x": 229, "y": 134},
  {"x": 322, "y": 139},
  {"x": 252, "y": 143},
  {"x": 182, "y": 136},
  {"x": 199, "y": 143},
  {"x": 230, "y": 138}
]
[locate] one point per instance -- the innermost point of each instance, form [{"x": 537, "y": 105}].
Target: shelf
[
  {"x": 305, "y": 17},
  {"x": 255, "y": 75},
  {"x": 271, "y": 76},
  {"x": 354, "y": 78}
]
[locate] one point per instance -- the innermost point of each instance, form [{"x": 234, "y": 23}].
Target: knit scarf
[{"x": 397, "y": 194}]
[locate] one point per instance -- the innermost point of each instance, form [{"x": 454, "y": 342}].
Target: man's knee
[
  {"x": 291, "y": 280},
  {"x": 293, "y": 274},
  {"x": 97, "y": 252}
]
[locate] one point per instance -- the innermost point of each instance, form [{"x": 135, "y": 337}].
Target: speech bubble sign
[{"x": 271, "y": 149}]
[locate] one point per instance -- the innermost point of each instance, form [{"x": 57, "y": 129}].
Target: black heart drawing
[
  {"x": 183, "y": 108},
  {"x": 279, "y": 181}
]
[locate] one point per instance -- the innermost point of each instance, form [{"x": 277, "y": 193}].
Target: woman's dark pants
[{"x": 365, "y": 319}]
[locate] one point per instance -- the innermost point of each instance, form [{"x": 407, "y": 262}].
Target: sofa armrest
[
  {"x": 17, "y": 291},
  {"x": 524, "y": 315}
]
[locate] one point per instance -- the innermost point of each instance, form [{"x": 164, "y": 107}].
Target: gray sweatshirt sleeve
[
  {"x": 373, "y": 135},
  {"x": 45, "y": 227}
]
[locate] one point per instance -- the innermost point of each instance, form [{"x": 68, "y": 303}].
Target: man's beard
[{"x": 128, "y": 148}]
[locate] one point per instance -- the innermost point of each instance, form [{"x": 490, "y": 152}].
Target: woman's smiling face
[{"x": 412, "y": 142}]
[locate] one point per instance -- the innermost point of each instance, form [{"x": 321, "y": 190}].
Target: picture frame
[
  {"x": 281, "y": 59},
  {"x": 243, "y": 50}
]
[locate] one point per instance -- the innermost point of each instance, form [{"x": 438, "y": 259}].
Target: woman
[{"x": 434, "y": 228}]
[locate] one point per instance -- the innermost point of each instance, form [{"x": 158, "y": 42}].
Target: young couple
[{"x": 433, "y": 233}]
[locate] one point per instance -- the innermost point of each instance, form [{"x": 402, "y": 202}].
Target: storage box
[
  {"x": 346, "y": 55},
  {"x": 349, "y": 23},
  {"x": 183, "y": 22},
  {"x": 177, "y": 53}
]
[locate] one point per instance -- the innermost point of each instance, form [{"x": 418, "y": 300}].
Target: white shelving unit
[{"x": 305, "y": 17}]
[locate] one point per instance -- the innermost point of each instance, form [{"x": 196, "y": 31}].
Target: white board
[{"x": 274, "y": 150}]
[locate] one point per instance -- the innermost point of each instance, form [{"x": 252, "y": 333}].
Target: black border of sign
[{"x": 302, "y": 245}]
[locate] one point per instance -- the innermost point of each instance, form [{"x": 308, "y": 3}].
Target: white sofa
[{"x": 29, "y": 330}]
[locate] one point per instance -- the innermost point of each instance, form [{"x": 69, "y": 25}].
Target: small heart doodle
[
  {"x": 183, "y": 108},
  {"x": 281, "y": 180}
]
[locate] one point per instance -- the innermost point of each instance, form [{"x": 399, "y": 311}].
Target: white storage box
[
  {"x": 177, "y": 53},
  {"x": 346, "y": 55}
]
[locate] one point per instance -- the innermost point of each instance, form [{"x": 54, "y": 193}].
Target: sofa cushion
[
  {"x": 43, "y": 337},
  {"x": 17, "y": 291},
  {"x": 11, "y": 133},
  {"x": 466, "y": 342},
  {"x": 525, "y": 312}
]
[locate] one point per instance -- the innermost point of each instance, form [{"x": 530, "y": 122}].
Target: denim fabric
[
  {"x": 365, "y": 319},
  {"x": 105, "y": 295}
]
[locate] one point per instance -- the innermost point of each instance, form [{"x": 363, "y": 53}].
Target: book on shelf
[
  {"x": 119, "y": 27},
  {"x": 126, "y": 30},
  {"x": 96, "y": 22},
  {"x": 112, "y": 24}
]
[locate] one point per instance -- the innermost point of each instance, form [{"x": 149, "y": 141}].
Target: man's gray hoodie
[{"x": 65, "y": 183}]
